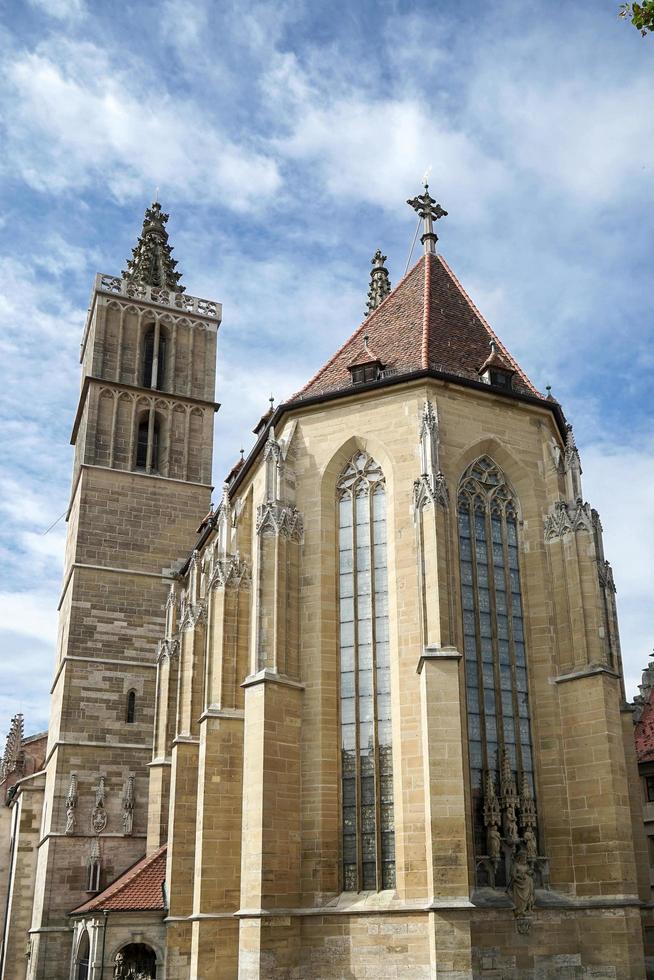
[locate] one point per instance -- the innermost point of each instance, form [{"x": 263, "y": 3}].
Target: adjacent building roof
[
  {"x": 644, "y": 716},
  {"x": 139, "y": 889},
  {"x": 427, "y": 322}
]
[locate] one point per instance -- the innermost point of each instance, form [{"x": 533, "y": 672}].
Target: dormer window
[
  {"x": 365, "y": 372},
  {"x": 366, "y": 366},
  {"x": 496, "y": 371}
]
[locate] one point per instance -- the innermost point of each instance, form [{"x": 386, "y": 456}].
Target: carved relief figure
[
  {"x": 71, "y": 804},
  {"x": 493, "y": 843},
  {"x": 521, "y": 884},
  {"x": 128, "y": 805},
  {"x": 531, "y": 845},
  {"x": 99, "y": 814}
]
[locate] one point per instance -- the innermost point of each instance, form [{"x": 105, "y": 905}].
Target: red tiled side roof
[
  {"x": 139, "y": 889},
  {"x": 644, "y": 732},
  {"x": 428, "y": 321}
]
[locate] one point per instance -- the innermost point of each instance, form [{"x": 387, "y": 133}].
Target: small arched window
[
  {"x": 142, "y": 443},
  {"x": 154, "y": 378},
  {"x": 130, "y": 713},
  {"x": 83, "y": 955}
]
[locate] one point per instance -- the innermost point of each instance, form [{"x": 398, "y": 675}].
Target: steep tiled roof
[
  {"x": 427, "y": 322},
  {"x": 139, "y": 889}
]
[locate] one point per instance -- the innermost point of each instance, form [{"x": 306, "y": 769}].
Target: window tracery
[
  {"x": 499, "y": 732},
  {"x": 368, "y": 838}
]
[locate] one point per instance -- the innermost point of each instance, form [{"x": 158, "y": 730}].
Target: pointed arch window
[
  {"x": 499, "y": 734},
  {"x": 368, "y": 839},
  {"x": 143, "y": 444},
  {"x": 152, "y": 379},
  {"x": 130, "y": 713}
]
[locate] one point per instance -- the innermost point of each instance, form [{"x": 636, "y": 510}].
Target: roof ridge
[
  {"x": 369, "y": 319},
  {"x": 424, "y": 354},
  {"x": 488, "y": 327}
]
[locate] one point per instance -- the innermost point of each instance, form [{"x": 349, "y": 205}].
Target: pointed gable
[{"x": 428, "y": 322}]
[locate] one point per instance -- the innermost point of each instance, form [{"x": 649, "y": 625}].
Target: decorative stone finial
[
  {"x": 13, "y": 754},
  {"x": 380, "y": 284},
  {"x": 152, "y": 263},
  {"x": 429, "y": 211}
]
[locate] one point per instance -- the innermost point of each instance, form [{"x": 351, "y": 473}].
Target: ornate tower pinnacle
[
  {"x": 380, "y": 284},
  {"x": 152, "y": 263},
  {"x": 429, "y": 211}
]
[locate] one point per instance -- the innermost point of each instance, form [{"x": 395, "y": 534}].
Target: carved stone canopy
[{"x": 152, "y": 263}]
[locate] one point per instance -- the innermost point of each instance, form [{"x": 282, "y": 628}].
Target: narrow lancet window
[
  {"x": 154, "y": 374},
  {"x": 143, "y": 444},
  {"x": 368, "y": 839},
  {"x": 130, "y": 713},
  {"x": 499, "y": 736}
]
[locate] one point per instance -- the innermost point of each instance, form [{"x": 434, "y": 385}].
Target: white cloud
[
  {"x": 65, "y": 10},
  {"x": 31, "y": 614},
  {"x": 74, "y": 119}
]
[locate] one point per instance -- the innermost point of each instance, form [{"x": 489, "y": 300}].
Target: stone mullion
[
  {"x": 187, "y": 429},
  {"x": 497, "y": 681},
  {"x": 119, "y": 352},
  {"x": 189, "y": 384},
  {"x": 151, "y": 420},
  {"x": 154, "y": 377},
  {"x": 357, "y": 743},
  {"x": 173, "y": 354},
  {"x": 375, "y": 736},
  {"x": 511, "y": 641},
  {"x": 112, "y": 437},
  {"x": 136, "y": 379},
  {"x": 480, "y": 666}
]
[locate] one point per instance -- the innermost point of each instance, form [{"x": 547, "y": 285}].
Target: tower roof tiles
[{"x": 427, "y": 322}]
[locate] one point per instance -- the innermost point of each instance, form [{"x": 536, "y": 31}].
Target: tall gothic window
[
  {"x": 367, "y": 769},
  {"x": 499, "y": 735},
  {"x": 148, "y": 359}
]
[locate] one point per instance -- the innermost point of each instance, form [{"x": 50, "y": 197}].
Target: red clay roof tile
[
  {"x": 139, "y": 889},
  {"x": 427, "y": 322}
]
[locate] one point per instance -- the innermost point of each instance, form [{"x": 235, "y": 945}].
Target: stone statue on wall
[
  {"x": 531, "y": 844},
  {"x": 71, "y": 804},
  {"x": 521, "y": 885},
  {"x": 493, "y": 843}
]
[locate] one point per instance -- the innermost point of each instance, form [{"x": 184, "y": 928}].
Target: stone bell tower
[{"x": 143, "y": 437}]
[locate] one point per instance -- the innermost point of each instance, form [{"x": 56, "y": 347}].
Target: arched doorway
[
  {"x": 83, "y": 955},
  {"x": 136, "y": 961}
]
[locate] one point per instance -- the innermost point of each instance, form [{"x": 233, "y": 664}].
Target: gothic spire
[
  {"x": 152, "y": 263},
  {"x": 380, "y": 284},
  {"x": 429, "y": 211}
]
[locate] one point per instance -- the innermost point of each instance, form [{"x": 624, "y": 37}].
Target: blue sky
[{"x": 285, "y": 138}]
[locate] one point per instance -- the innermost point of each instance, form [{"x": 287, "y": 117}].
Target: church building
[{"x": 365, "y": 718}]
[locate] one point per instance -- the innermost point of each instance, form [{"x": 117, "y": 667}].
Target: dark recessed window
[
  {"x": 130, "y": 714},
  {"x": 148, "y": 360},
  {"x": 500, "y": 379},
  {"x": 365, "y": 372},
  {"x": 142, "y": 445},
  {"x": 649, "y": 788}
]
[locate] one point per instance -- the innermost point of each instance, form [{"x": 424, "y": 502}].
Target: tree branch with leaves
[{"x": 641, "y": 15}]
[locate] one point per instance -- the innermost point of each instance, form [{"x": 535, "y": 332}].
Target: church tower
[{"x": 143, "y": 436}]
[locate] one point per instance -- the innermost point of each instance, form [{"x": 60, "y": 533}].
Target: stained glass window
[
  {"x": 366, "y": 763},
  {"x": 494, "y": 640}
]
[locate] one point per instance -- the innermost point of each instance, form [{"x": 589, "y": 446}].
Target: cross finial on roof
[{"x": 429, "y": 211}]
